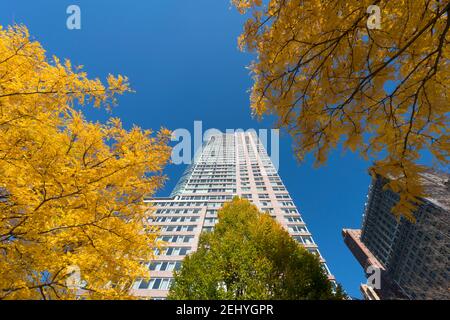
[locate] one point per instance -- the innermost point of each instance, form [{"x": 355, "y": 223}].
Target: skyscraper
[
  {"x": 413, "y": 258},
  {"x": 229, "y": 165}
]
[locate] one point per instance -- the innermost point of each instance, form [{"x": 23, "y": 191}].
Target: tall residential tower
[{"x": 229, "y": 165}]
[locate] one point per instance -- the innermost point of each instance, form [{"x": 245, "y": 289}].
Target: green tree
[{"x": 250, "y": 256}]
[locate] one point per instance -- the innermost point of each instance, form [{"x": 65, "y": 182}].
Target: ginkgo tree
[
  {"x": 330, "y": 77},
  {"x": 71, "y": 190}
]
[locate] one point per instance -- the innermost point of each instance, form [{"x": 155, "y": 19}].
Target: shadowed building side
[{"x": 413, "y": 258}]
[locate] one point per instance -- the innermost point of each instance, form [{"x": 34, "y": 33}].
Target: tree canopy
[
  {"x": 330, "y": 78},
  {"x": 71, "y": 189},
  {"x": 249, "y": 255}
]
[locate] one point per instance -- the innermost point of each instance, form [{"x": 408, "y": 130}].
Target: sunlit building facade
[{"x": 228, "y": 165}]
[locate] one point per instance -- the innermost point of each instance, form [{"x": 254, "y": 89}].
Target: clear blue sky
[{"x": 182, "y": 60}]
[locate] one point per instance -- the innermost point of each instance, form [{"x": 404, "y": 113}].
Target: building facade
[
  {"x": 229, "y": 165},
  {"x": 413, "y": 258}
]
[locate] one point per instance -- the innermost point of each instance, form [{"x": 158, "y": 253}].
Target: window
[
  {"x": 156, "y": 284},
  {"x": 293, "y": 219},
  {"x": 178, "y": 228},
  {"x": 307, "y": 240},
  {"x": 210, "y": 221},
  {"x": 282, "y": 196},
  {"x": 314, "y": 251},
  {"x": 289, "y": 210},
  {"x": 143, "y": 284},
  {"x": 295, "y": 228},
  {"x": 165, "y": 265},
  {"x": 207, "y": 229},
  {"x": 174, "y": 251},
  {"x": 171, "y": 238}
]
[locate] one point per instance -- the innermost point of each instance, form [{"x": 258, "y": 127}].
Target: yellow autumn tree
[
  {"x": 331, "y": 77},
  {"x": 71, "y": 190}
]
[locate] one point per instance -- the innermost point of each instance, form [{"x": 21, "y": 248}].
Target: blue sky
[{"x": 183, "y": 62}]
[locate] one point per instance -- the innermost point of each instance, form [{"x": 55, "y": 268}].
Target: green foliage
[{"x": 250, "y": 256}]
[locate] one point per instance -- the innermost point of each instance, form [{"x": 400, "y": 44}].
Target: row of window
[
  {"x": 211, "y": 185},
  {"x": 307, "y": 240},
  {"x": 189, "y": 190},
  {"x": 214, "y": 171},
  {"x": 210, "y": 221},
  {"x": 177, "y": 211},
  {"x": 156, "y": 283},
  {"x": 293, "y": 219},
  {"x": 212, "y": 213},
  {"x": 215, "y": 166},
  {"x": 215, "y": 197},
  {"x": 174, "y": 219},
  {"x": 213, "y": 175},
  {"x": 178, "y": 228},
  {"x": 176, "y": 239},
  {"x": 173, "y": 251},
  {"x": 178, "y": 204},
  {"x": 296, "y": 228},
  {"x": 211, "y": 179},
  {"x": 164, "y": 265}
]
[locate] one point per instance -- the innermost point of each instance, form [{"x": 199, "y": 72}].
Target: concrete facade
[{"x": 229, "y": 165}]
